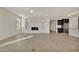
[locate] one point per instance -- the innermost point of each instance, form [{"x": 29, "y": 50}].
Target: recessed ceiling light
[{"x": 31, "y": 11}]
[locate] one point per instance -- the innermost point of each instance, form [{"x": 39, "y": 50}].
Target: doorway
[
  {"x": 63, "y": 26},
  {"x": 53, "y": 25}
]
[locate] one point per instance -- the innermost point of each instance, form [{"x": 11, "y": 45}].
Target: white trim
[
  {"x": 36, "y": 32},
  {"x": 74, "y": 35}
]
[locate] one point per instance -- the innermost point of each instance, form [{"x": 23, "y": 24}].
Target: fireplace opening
[{"x": 34, "y": 28}]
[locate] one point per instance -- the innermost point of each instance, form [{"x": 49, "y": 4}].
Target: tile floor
[{"x": 52, "y": 42}]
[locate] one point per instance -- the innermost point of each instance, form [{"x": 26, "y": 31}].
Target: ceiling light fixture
[{"x": 31, "y": 11}]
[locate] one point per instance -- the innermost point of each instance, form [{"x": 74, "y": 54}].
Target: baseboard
[
  {"x": 74, "y": 36},
  {"x": 2, "y": 38},
  {"x": 35, "y": 31}
]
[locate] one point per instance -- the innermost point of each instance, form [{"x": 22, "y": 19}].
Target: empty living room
[{"x": 39, "y": 29}]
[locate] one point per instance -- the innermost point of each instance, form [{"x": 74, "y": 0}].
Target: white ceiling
[{"x": 54, "y": 12}]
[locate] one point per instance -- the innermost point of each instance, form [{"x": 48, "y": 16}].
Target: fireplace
[{"x": 34, "y": 28}]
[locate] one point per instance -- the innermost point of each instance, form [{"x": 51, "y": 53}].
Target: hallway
[{"x": 52, "y": 42}]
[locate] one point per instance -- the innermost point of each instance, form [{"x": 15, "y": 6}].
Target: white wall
[
  {"x": 40, "y": 22},
  {"x": 73, "y": 27},
  {"x": 8, "y": 23}
]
